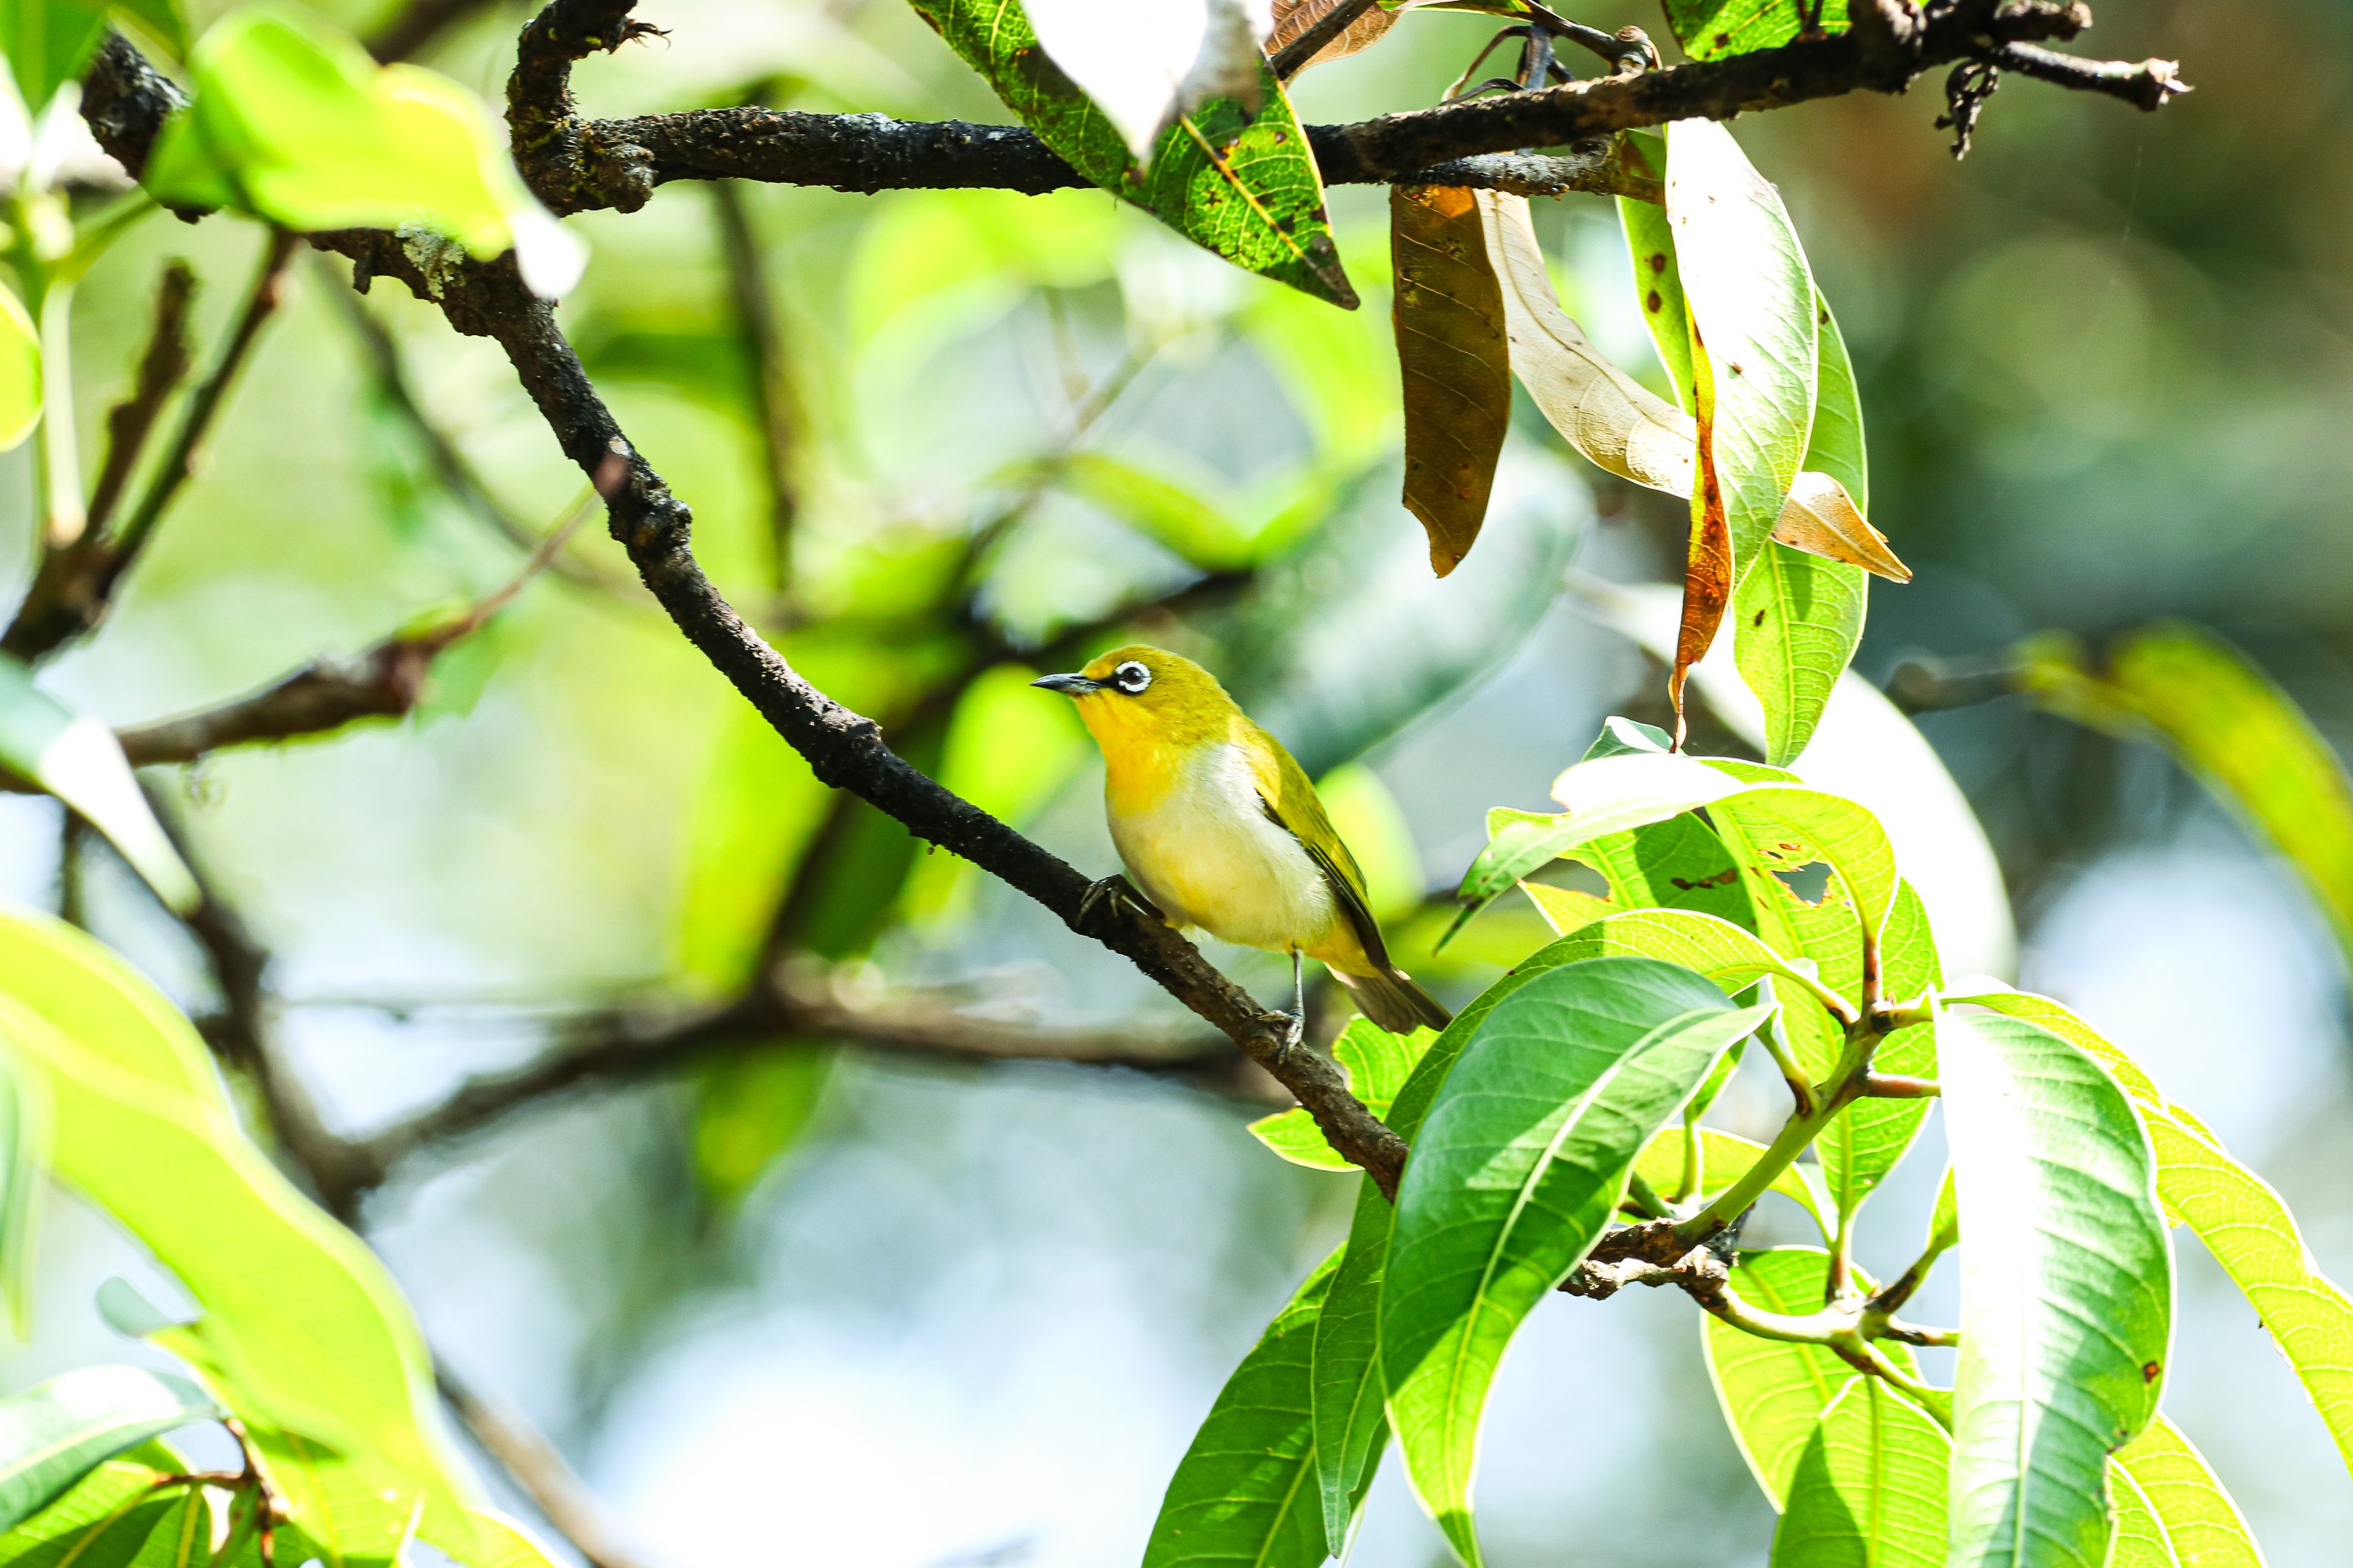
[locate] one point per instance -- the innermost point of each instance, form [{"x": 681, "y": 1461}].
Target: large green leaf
[
  {"x": 1798, "y": 616},
  {"x": 1244, "y": 186},
  {"x": 74, "y": 1529},
  {"x": 1711, "y": 29},
  {"x": 1753, "y": 305},
  {"x": 2171, "y": 1510},
  {"x": 1772, "y": 1391},
  {"x": 53, "y": 1435},
  {"x": 1350, "y": 1415},
  {"x": 2238, "y": 1216},
  {"x": 76, "y": 759},
  {"x": 1517, "y": 1171},
  {"x": 294, "y": 123},
  {"x": 1678, "y": 864},
  {"x": 1246, "y": 1492},
  {"x": 1378, "y": 1063},
  {"x": 1869, "y": 1488},
  {"x": 2243, "y": 737},
  {"x": 304, "y": 1335},
  {"x": 2066, "y": 1290}
]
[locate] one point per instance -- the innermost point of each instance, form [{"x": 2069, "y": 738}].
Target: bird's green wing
[{"x": 1292, "y": 804}]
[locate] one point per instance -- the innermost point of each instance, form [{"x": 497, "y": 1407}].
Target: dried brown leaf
[
  {"x": 1708, "y": 564},
  {"x": 1293, "y": 18},
  {"x": 1454, "y": 360},
  {"x": 1820, "y": 519}
]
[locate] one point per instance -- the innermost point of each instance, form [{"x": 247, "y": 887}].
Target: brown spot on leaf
[
  {"x": 2148, "y": 1372},
  {"x": 1658, "y": 262},
  {"x": 1759, "y": 620},
  {"x": 1653, "y": 303}
]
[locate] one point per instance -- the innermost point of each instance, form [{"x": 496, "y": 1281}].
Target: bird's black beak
[{"x": 1075, "y": 685}]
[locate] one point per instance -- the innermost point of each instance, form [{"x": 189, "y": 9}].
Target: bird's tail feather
[{"x": 1393, "y": 1000}]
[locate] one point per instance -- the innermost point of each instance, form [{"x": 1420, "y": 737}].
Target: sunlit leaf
[
  {"x": 751, "y": 1110},
  {"x": 76, "y": 759},
  {"x": 1752, "y": 308},
  {"x": 2066, "y": 1290},
  {"x": 49, "y": 42},
  {"x": 2238, "y": 1216},
  {"x": 1519, "y": 1167},
  {"x": 1712, "y": 29},
  {"x": 1658, "y": 281},
  {"x": 1144, "y": 62},
  {"x": 69, "y": 1532},
  {"x": 1869, "y": 1487},
  {"x": 1772, "y": 1391},
  {"x": 1245, "y": 1491},
  {"x": 1162, "y": 509},
  {"x": 294, "y": 123},
  {"x": 2171, "y": 1510},
  {"x": 304, "y": 1335},
  {"x": 1454, "y": 360},
  {"x": 53, "y": 1435},
  {"x": 1242, "y": 185},
  {"x": 2228, "y": 723}
]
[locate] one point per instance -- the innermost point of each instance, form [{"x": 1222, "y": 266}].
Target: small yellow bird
[{"x": 1220, "y": 828}]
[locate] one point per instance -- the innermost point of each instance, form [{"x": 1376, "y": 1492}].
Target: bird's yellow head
[{"x": 1140, "y": 698}]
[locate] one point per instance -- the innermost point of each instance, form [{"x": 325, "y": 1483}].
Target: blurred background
[{"x": 793, "y": 1301}]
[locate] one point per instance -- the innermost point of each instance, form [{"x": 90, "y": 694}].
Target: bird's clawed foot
[{"x": 1118, "y": 890}]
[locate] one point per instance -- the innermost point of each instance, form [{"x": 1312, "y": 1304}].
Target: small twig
[
  {"x": 161, "y": 368},
  {"x": 1968, "y": 90},
  {"x": 2146, "y": 85},
  {"x": 538, "y": 1470},
  {"x": 180, "y": 463},
  {"x": 760, "y": 325},
  {"x": 1899, "y": 1086}
]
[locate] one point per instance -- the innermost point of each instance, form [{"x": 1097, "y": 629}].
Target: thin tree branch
[
  {"x": 165, "y": 364},
  {"x": 537, "y": 1468},
  {"x": 760, "y": 325},
  {"x": 2146, "y": 85}
]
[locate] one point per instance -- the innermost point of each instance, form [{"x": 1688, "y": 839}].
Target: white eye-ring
[{"x": 1132, "y": 676}]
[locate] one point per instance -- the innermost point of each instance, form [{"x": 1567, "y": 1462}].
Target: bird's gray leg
[
  {"x": 1119, "y": 890},
  {"x": 1298, "y": 1001}
]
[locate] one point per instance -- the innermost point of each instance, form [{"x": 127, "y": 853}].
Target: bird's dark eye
[{"x": 1132, "y": 676}]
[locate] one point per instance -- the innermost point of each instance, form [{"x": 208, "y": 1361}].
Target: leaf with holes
[
  {"x": 2066, "y": 1290},
  {"x": 1713, "y": 29},
  {"x": 1516, "y": 1170},
  {"x": 1244, "y": 185},
  {"x": 1453, "y": 361}
]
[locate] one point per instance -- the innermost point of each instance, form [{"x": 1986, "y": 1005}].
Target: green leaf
[
  {"x": 1519, "y": 1168},
  {"x": 1869, "y": 1490},
  {"x": 1350, "y": 1418},
  {"x": 1753, "y": 303},
  {"x": 1726, "y": 1157},
  {"x": 1161, "y": 509},
  {"x": 24, "y": 1149},
  {"x": 1245, "y": 188},
  {"x": 1712, "y": 29},
  {"x": 49, "y": 42},
  {"x": 20, "y": 371},
  {"x": 76, "y": 759},
  {"x": 53, "y": 1435},
  {"x": 2171, "y": 1511},
  {"x": 2066, "y": 1290},
  {"x": 293, "y": 122},
  {"x": 69, "y": 1530},
  {"x": 304, "y": 1335},
  {"x": 1608, "y": 794},
  {"x": 1245, "y": 1490},
  {"x": 1658, "y": 281},
  {"x": 2243, "y": 738},
  {"x": 2238, "y": 1216},
  {"x": 1772, "y": 1391},
  {"x": 1678, "y": 864},
  {"x": 1377, "y": 1064}
]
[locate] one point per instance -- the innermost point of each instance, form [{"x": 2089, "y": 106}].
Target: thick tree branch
[{"x": 576, "y": 163}]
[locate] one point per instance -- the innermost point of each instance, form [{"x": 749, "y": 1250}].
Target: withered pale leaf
[
  {"x": 1293, "y": 18},
  {"x": 1614, "y": 420},
  {"x": 1820, "y": 519},
  {"x": 1619, "y": 424},
  {"x": 1452, "y": 360}
]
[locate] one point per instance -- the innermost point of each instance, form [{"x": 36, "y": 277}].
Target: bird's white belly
[{"x": 1208, "y": 854}]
